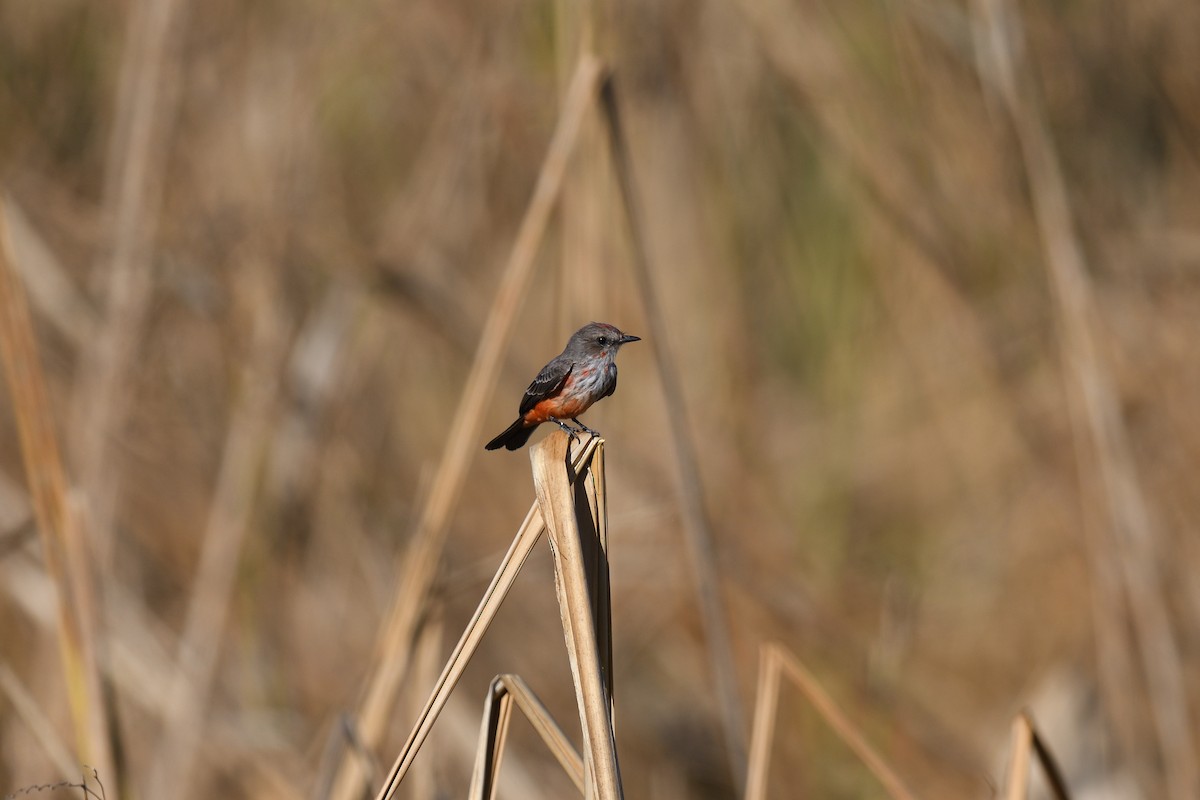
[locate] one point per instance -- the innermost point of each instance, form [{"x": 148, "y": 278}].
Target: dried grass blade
[
  {"x": 698, "y": 533},
  {"x": 65, "y": 548}
]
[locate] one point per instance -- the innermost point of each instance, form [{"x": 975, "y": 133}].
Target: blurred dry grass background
[{"x": 260, "y": 240}]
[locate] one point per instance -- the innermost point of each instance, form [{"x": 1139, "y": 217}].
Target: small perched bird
[{"x": 584, "y": 372}]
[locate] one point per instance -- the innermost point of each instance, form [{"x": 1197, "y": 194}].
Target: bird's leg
[
  {"x": 585, "y": 428},
  {"x": 570, "y": 431}
]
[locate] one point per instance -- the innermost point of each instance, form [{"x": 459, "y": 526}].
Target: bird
[{"x": 584, "y": 372}]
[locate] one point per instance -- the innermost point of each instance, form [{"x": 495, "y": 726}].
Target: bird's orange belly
[{"x": 561, "y": 407}]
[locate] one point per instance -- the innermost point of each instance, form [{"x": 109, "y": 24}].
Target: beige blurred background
[{"x": 937, "y": 342}]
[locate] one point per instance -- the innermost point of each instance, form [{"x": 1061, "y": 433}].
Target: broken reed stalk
[
  {"x": 697, "y": 529},
  {"x": 567, "y": 523},
  {"x": 1026, "y": 741},
  {"x": 776, "y": 661},
  {"x": 510, "y": 566},
  {"x": 1134, "y": 539},
  {"x": 65, "y": 548},
  {"x": 419, "y": 567},
  {"x": 506, "y": 692}
]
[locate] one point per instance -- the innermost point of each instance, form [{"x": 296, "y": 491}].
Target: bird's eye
[{"x": 603, "y": 340}]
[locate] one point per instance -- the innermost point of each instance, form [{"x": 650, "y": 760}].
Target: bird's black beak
[{"x": 627, "y": 338}]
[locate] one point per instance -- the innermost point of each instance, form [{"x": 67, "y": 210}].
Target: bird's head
[{"x": 600, "y": 338}]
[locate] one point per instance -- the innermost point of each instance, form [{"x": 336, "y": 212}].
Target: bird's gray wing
[{"x": 548, "y": 383}]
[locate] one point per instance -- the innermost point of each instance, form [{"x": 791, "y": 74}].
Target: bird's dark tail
[{"x": 514, "y": 437}]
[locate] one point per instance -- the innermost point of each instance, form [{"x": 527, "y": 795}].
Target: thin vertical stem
[{"x": 698, "y": 533}]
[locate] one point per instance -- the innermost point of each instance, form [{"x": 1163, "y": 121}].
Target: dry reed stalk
[
  {"x": 65, "y": 548},
  {"x": 505, "y": 692},
  {"x": 133, "y": 194},
  {"x": 1133, "y": 539},
  {"x": 510, "y": 566},
  {"x": 199, "y": 645},
  {"x": 698, "y": 533},
  {"x": 417, "y": 571},
  {"x": 565, "y": 518},
  {"x": 1025, "y": 742},
  {"x": 776, "y": 660}
]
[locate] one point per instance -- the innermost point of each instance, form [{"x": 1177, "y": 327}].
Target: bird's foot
[
  {"x": 570, "y": 431},
  {"x": 585, "y": 428}
]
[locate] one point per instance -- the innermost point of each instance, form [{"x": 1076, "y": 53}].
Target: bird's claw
[
  {"x": 570, "y": 431},
  {"x": 585, "y": 428}
]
